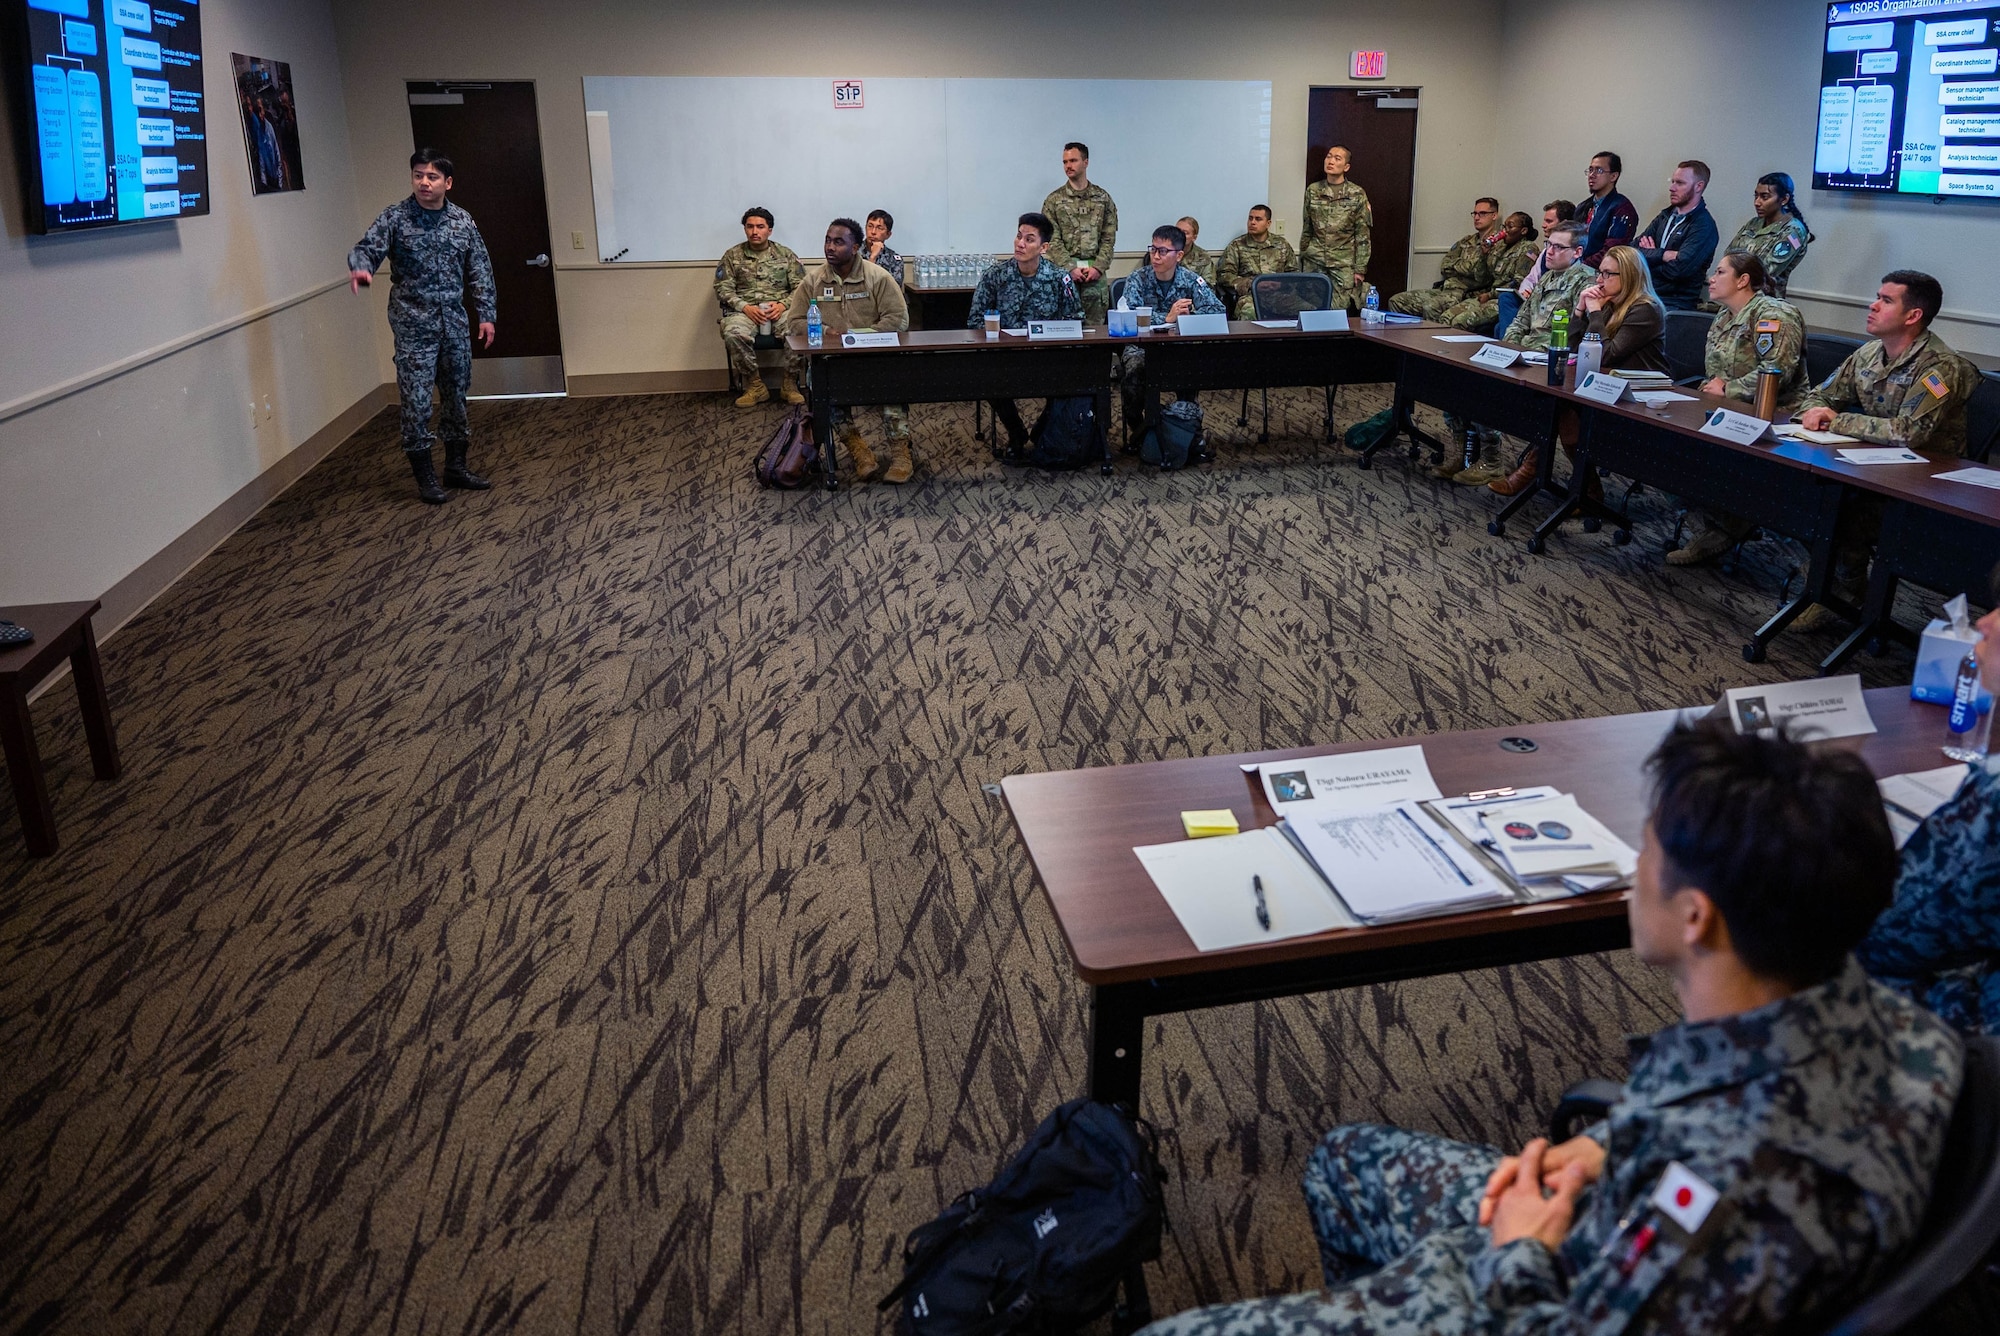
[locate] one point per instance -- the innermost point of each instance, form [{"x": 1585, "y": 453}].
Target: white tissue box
[
  {"x": 1121, "y": 324},
  {"x": 1938, "y": 656}
]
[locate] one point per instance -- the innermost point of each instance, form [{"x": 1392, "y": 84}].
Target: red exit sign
[{"x": 1369, "y": 65}]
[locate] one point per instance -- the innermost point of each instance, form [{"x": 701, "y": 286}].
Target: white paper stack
[
  {"x": 1544, "y": 839},
  {"x": 1208, "y": 884},
  {"x": 1393, "y": 862},
  {"x": 1908, "y": 799}
]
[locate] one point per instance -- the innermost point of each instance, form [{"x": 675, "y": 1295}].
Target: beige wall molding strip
[
  {"x": 27, "y": 403},
  {"x": 1862, "y": 303}
]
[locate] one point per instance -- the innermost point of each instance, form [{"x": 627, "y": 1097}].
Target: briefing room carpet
[{"x": 579, "y": 908}]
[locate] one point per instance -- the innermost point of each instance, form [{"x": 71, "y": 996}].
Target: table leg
[
  {"x": 1117, "y": 1031},
  {"x": 822, "y": 419},
  {"x": 1874, "y": 613},
  {"x": 1402, "y": 421},
  {"x": 95, "y": 704},
  {"x": 24, "y": 769},
  {"x": 1103, "y": 427}
]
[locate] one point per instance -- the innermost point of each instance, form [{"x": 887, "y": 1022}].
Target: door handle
[{"x": 540, "y": 261}]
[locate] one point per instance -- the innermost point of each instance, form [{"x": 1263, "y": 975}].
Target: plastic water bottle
[
  {"x": 814, "y": 330},
  {"x": 1589, "y": 357},
  {"x": 1371, "y": 307},
  {"x": 1967, "y": 727}
]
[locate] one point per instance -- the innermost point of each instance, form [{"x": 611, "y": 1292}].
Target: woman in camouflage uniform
[
  {"x": 1778, "y": 234},
  {"x": 1335, "y": 241}
]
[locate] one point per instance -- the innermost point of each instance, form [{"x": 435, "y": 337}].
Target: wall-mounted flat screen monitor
[{"x": 118, "y": 126}]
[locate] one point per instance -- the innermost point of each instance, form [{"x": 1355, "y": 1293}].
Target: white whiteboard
[{"x": 675, "y": 161}]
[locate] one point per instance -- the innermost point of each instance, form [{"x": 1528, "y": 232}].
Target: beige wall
[
  {"x": 130, "y": 357},
  {"x": 660, "y": 319},
  {"x": 1734, "y": 83}
]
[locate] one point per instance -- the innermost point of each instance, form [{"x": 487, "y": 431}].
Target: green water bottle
[{"x": 1559, "y": 346}]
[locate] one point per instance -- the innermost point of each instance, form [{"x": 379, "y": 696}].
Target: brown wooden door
[
  {"x": 493, "y": 136},
  {"x": 1383, "y": 142}
]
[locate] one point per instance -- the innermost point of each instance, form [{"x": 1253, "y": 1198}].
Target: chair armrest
[{"x": 1582, "y": 1104}]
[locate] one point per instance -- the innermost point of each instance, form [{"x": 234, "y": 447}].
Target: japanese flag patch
[
  {"x": 1683, "y": 1197},
  {"x": 1935, "y": 383}
]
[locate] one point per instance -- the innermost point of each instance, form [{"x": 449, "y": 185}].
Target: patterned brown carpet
[{"x": 578, "y": 909}]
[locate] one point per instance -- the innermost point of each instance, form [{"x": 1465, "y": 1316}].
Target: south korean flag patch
[{"x": 1683, "y": 1197}]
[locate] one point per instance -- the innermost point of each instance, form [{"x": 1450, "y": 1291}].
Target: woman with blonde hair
[{"x": 1622, "y": 309}]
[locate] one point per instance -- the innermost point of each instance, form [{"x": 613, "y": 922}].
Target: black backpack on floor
[
  {"x": 1045, "y": 1246},
  {"x": 1066, "y": 436},
  {"x": 1176, "y": 440}
]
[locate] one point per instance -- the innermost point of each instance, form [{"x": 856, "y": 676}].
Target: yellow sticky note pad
[{"x": 1200, "y": 825}]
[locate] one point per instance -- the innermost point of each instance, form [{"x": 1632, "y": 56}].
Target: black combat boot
[
  {"x": 455, "y": 472},
  {"x": 428, "y": 490}
]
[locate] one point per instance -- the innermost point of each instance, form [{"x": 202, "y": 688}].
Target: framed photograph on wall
[{"x": 270, "y": 123}]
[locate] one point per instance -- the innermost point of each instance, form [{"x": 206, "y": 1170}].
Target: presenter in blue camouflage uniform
[
  {"x": 1939, "y": 943},
  {"x": 435, "y": 254},
  {"x": 1172, "y": 290},
  {"x": 1771, "y": 1156},
  {"x": 1024, "y": 288}
]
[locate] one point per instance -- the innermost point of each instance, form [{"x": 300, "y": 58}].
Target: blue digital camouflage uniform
[
  {"x": 1819, "y": 1119},
  {"x": 1047, "y": 294},
  {"x": 1145, "y": 288},
  {"x": 434, "y": 256},
  {"x": 1939, "y": 943}
]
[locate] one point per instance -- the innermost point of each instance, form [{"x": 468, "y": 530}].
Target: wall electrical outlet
[
  {"x": 1278, "y": 226},
  {"x": 576, "y": 241}
]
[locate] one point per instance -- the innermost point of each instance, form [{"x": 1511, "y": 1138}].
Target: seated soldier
[
  {"x": 1467, "y": 267},
  {"x": 1196, "y": 258},
  {"x": 1757, "y": 1174},
  {"x": 1027, "y": 287},
  {"x": 877, "y": 252},
  {"x": 1517, "y": 252},
  {"x": 1171, "y": 290},
  {"x": 752, "y": 284},
  {"x": 855, "y": 295},
  {"x": 1256, "y": 252},
  {"x": 1939, "y": 943},
  {"x": 1903, "y": 387}
]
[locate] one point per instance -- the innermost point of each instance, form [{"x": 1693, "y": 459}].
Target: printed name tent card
[
  {"x": 1601, "y": 388},
  {"x": 1498, "y": 356},
  {"x": 1055, "y": 329},
  {"x": 1741, "y": 428},
  {"x": 1353, "y": 779},
  {"x": 870, "y": 339},
  {"x": 1825, "y": 707},
  {"x": 1323, "y": 322}
]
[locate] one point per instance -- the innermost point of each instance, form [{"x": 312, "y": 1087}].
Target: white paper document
[
  {"x": 1824, "y": 707},
  {"x": 1463, "y": 338},
  {"x": 1908, "y": 799},
  {"x": 1978, "y": 477},
  {"x": 1208, "y": 884},
  {"x": 1654, "y": 398},
  {"x": 1792, "y": 431},
  {"x": 1557, "y": 838},
  {"x": 1354, "y": 779},
  {"x": 1276, "y": 324},
  {"x": 1881, "y": 454},
  {"x": 1394, "y": 862}
]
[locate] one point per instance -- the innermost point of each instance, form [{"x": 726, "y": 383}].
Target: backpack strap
[{"x": 1135, "y": 1309}]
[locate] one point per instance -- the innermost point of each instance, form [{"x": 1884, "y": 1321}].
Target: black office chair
[
  {"x": 1282, "y": 297},
  {"x": 1825, "y": 353},
  {"x": 1953, "y": 1258},
  {"x": 761, "y": 343},
  {"x": 1117, "y": 291},
  {"x": 1982, "y": 418},
  {"x": 1687, "y": 345}
]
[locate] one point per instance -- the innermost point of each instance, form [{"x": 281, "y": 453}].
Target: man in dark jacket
[
  {"x": 1608, "y": 217},
  {"x": 1679, "y": 244}
]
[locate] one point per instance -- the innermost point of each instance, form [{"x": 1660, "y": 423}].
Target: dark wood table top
[
  {"x": 935, "y": 339},
  {"x": 52, "y": 624},
  {"x": 1080, "y": 827}
]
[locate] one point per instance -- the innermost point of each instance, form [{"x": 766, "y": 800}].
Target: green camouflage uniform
[
  {"x": 1780, "y": 244},
  {"x": 1465, "y": 270},
  {"x": 869, "y": 298},
  {"x": 746, "y": 277},
  {"x": 1249, "y": 256},
  {"x": 1819, "y": 1119},
  {"x": 435, "y": 256},
  {"x": 1335, "y": 239},
  {"x": 1201, "y": 262},
  {"x": 1086, "y": 231},
  {"x": 1555, "y": 292},
  {"x": 1918, "y": 401},
  {"x": 1509, "y": 264},
  {"x": 1766, "y": 332}
]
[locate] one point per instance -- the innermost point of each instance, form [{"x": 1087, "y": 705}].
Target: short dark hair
[
  {"x": 434, "y": 158},
  {"x": 1790, "y": 844},
  {"x": 1041, "y": 222},
  {"x": 1919, "y": 290},
  {"x": 887, "y": 221},
  {"x": 1568, "y": 229},
  {"x": 1488, "y": 200},
  {"x": 1617, "y": 163},
  {"x": 1168, "y": 232},
  {"x": 1080, "y": 147},
  {"x": 853, "y": 228},
  {"x": 758, "y": 211},
  {"x": 1697, "y": 166},
  {"x": 1265, "y": 209},
  {"x": 1565, "y": 209}
]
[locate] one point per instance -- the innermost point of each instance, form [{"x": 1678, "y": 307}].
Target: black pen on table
[{"x": 1263, "y": 910}]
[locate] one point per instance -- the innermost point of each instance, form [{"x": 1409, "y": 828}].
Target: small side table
[{"x": 62, "y": 630}]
